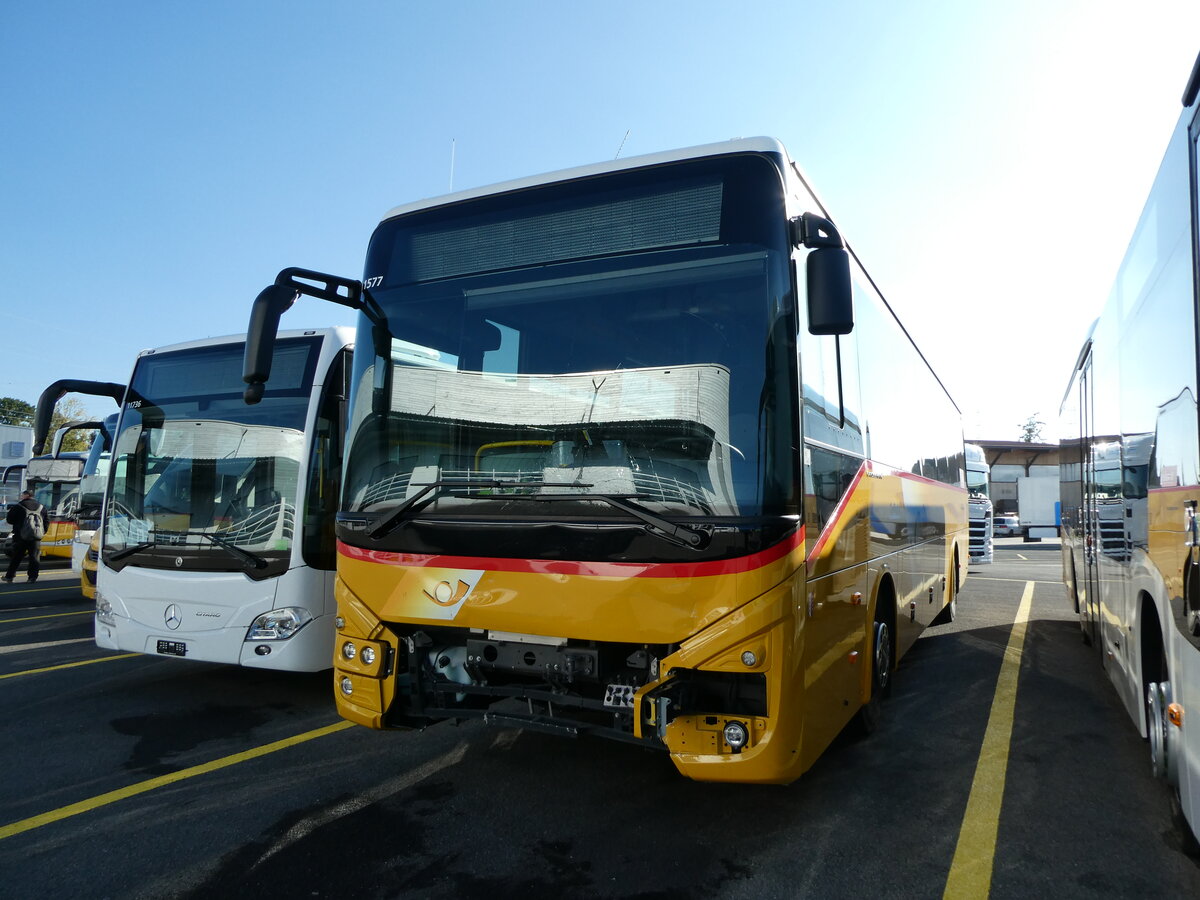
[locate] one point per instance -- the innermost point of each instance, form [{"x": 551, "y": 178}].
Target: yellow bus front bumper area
[
  {"x": 712, "y": 701},
  {"x": 364, "y": 659},
  {"x": 735, "y": 734}
]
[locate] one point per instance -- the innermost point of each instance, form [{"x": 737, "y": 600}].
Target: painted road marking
[
  {"x": 1018, "y": 580},
  {"x": 70, "y": 665},
  {"x": 82, "y": 612},
  {"x": 66, "y": 812},
  {"x": 309, "y": 824},
  {"x": 29, "y": 591},
  {"x": 971, "y": 871},
  {"x": 17, "y": 648}
]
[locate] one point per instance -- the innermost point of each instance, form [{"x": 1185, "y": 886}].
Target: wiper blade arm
[
  {"x": 689, "y": 537},
  {"x": 431, "y": 492},
  {"x": 129, "y": 551},
  {"x": 240, "y": 552}
]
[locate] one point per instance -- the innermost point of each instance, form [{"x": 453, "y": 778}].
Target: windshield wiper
[
  {"x": 240, "y": 552},
  {"x": 681, "y": 534},
  {"x": 129, "y": 551},
  {"x": 224, "y": 543},
  {"x": 435, "y": 489}
]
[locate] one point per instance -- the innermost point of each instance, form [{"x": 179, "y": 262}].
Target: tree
[
  {"x": 69, "y": 410},
  {"x": 16, "y": 412},
  {"x": 1031, "y": 430}
]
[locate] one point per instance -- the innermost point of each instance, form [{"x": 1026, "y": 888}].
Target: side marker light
[{"x": 1175, "y": 715}]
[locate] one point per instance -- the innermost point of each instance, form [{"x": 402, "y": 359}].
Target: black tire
[
  {"x": 867, "y": 720},
  {"x": 1189, "y": 844},
  {"x": 1156, "y": 694}
]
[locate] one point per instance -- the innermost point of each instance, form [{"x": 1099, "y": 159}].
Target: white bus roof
[
  {"x": 343, "y": 333},
  {"x": 723, "y": 148}
]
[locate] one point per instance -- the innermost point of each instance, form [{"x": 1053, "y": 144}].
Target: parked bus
[
  {"x": 54, "y": 478},
  {"x": 1130, "y": 476},
  {"x": 76, "y": 521},
  {"x": 91, "y": 491},
  {"x": 635, "y": 450},
  {"x": 217, "y": 540},
  {"x": 979, "y": 504}
]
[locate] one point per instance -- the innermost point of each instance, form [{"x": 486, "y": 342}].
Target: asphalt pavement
[{"x": 136, "y": 776}]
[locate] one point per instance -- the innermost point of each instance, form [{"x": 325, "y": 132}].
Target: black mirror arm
[
  {"x": 342, "y": 291},
  {"x": 813, "y": 231},
  {"x": 55, "y": 392},
  {"x": 277, "y": 298}
]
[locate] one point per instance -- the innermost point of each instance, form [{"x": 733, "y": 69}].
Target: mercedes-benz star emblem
[
  {"x": 179, "y": 562},
  {"x": 173, "y": 616}
]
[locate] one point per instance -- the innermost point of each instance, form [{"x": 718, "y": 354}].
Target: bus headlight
[
  {"x": 278, "y": 624},
  {"x": 347, "y": 686},
  {"x": 104, "y": 611},
  {"x": 348, "y": 650},
  {"x": 736, "y": 735},
  {"x": 367, "y": 656}
]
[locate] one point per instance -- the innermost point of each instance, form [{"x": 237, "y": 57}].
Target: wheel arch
[{"x": 1152, "y": 658}]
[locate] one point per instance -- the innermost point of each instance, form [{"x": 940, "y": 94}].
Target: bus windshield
[
  {"x": 622, "y": 338},
  {"x": 198, "y": 478}
]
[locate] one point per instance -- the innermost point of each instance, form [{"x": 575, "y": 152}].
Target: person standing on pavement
[{"x": 29, "y": 520}]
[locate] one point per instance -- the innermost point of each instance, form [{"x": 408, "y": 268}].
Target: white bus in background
[
  {"x": 217, "y": 540},
  {"x": 91, "y": 491},
  {"x": 979, "y": 504}
]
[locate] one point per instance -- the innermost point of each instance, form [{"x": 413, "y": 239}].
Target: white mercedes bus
[{"x": 218, "y": 540}]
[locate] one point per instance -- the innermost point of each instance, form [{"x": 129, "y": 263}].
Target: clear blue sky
[{"x": 161, "y": 161}]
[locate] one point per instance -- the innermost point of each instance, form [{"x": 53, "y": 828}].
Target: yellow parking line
[
  {"x": 82, "y": 612},
  {"x": 65, "y": 812},
  {"x": 37, "y": 590},
  {"x": 971, "y": 871},
  {"x": 82, "y": 662}
]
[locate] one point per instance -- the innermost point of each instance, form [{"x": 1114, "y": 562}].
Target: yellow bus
[
  {"x": 54, "y": 479},
  {"x": 636, "y": 450}
]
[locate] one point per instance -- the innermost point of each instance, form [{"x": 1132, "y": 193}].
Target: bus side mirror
[
  {"x": 271, "y": 303},
  {"x": 830, "y": 298}
]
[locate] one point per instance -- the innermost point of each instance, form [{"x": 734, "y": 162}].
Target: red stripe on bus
[
  {"x": 838, "y": 511},
  {"x": 581, "y": 567}
]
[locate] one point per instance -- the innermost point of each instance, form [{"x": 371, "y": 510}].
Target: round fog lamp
[
  {"x": 348, "y": 650},
  {"x": 347, "y": 686},
  {"x": 367, "y": 655},
  {"x": 749, "y": 659},
  {"x": 736, "y": 735}
]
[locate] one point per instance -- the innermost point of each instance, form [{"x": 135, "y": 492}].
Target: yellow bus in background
[
  {"x": 636, "y": 450},
  {"x": 54, "y": 480}
]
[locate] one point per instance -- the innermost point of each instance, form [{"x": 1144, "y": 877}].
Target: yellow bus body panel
[
  {"x": 808, "y": 621},
  {"x": 58, "y": 539}
]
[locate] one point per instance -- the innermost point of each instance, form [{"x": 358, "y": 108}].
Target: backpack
[{"x": 34, "y": 526}]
